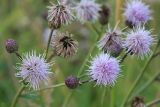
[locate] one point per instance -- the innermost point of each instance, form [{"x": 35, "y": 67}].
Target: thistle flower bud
[
  {"x": 72, "y": 82},
  {"x": 11, "y": 46},
  {"x": 104, "y": 14},
  {"x": 137, "y": 102},
  {"x": 64, "y": 45}
]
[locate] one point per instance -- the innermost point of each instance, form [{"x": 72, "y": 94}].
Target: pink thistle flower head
[
  {"x": 137, "y": 12},
  {"x": 59, "y": 14},
  {"x": 34, "y": 70},
  {"x": 138, "y": 41},
  {"x": 112, "y": 41},
  {"x": 87, "y": 10},
  {"x": 104, "y": 69}
]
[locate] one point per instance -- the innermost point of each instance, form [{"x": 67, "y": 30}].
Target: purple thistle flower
[
  {"x": 137, "y": 12},
  {"x": 104, "y": 69},
  {"x": 59, "y": 14},
  {"x": 111, "y": 41},
  {"x": 138, "y": 41},
  {"x": 87, "y": 10},
  {"x": 34, "y": 70}
]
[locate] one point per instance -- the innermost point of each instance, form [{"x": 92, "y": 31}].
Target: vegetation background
[{"x": 24, "y": 20}]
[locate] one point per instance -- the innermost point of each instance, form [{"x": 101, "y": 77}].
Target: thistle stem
[
  {"x": 152, "y": 103},
  {"x": 49, "y": 41},
  {"x": 112, "y": 97},
  {"x": 90, "y": 51},
  {"x": 145, "y": 86},
  {"x": 18, "y": 55},
  {"x": 85, "y": 61},
  {"x": 138, "y": 78},
  {"x": 67, "y": 100},
  {"x": 50, "y": 87},
  {"x": 103, "y": 97},
  {"x": 15, "y": 100},
  {"x": 124, "y": 57},
  {"x": 50, "y": 57}
]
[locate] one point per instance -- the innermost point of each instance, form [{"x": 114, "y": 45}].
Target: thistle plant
[{"x": 113, "y": 45}]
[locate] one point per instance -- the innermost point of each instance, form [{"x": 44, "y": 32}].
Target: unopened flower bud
[
  {"x": 137, "y": 102},
  {"x": 104, "y": 14},
  {"x": 72, "y": 82},
  {"x": 11, "y": 46}
]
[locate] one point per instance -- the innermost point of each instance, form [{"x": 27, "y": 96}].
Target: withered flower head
[
  {"x": 64, "y": 45},
  {"x": 137, "y": 102},
  {"x": 111, "y": 42},
  {"x": 58, "y": 15}
]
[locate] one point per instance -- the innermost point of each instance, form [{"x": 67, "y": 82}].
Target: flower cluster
[{"x": 105, "y": 67}]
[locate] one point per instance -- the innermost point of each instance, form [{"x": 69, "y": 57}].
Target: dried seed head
[
  {"x": 138, "y": 102},
  {"x": 104, "y": 14},
  {"x": 64, "y": 45},
  {"x": 11, "y": 46},
  {"x": 111, "y": 42},
  {"x": 58, "y": 15},
  {"x": 72, "y": 82}
]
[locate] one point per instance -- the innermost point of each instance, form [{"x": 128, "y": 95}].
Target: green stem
[
  {"x": 18, "y": 55},
  {"x": 97, "y": 31},
  {"x": 67, "y": 100},
  {"x": 145, "y": 86},
  {"x": 15, "y": 100},
  {"x": 50, "y": 57},
  {"x": 90, "y": 51},
  {"x": 85, "y": 61},
  {"x": 138, "y": 79},
  {"x": 103, "y": 97},
  {"x": 50, "y": 87},
  {"x": 124, "y": 57},
  {"x": 155, "y": 55},
  {"x": 49, "y": 41},
  {"x": 112, "y": 97},
  {"x": 152, "y": 103}
]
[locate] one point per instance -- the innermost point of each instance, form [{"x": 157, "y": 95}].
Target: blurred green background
[{"x": 25, "y": 21}]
